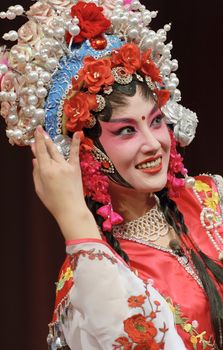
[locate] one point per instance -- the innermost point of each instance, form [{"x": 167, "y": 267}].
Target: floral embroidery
[
  {"x": 201, "y": 186},
  {"x": 210, "y": 197},
  {"x": 90, "y": 254},
  {"x": 140, "y": 328},
  {"x": 190, "y": 328},
  {"x": 65, "y": 276}
]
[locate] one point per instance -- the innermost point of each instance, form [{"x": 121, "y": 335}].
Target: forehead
[{"x": 136, "y": 107}]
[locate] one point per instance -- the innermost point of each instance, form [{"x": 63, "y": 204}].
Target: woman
[{"x": 114, "y": 107}]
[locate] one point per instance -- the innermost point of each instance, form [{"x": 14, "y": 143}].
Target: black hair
[{"x": 169, "y": 208}]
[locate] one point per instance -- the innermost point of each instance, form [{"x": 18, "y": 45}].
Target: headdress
[{"x": 69, "y": 54}]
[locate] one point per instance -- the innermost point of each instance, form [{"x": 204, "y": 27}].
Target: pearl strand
[{"x": 211, "y": 215}]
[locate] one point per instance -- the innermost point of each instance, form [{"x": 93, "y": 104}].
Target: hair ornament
[
  {"x": 184, "y": 120},
  {"x": 111, "y": 218},
  {"x": 52, "y": 50},
  {"x": 121, "y": 76},
  {"x": 106, "y": 164}
]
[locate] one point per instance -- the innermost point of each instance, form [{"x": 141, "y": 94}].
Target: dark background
[{"x": 32, "y": 248}]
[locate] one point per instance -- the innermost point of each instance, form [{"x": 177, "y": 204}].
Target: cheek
[{"x": 163, "y": 136}]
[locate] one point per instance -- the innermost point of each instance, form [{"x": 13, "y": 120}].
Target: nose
[{"x": 149, "y": 143}]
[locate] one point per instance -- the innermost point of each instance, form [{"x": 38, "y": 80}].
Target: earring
[{"x": 106, "y": 164}]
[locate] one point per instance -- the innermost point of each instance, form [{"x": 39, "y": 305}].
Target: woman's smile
[{"x": 137, "y": 141}]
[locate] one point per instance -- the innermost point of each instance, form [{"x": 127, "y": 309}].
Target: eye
[
  {"x": 127, "y": 130},
  {"x": 157, "y": 121}
]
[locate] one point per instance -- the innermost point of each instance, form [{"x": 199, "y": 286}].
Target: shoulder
[{"x": 207, "y": 191}]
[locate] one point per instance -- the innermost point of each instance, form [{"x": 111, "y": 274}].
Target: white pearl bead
[
  {"x": 12, "y": 118},
  {"x": 30, "y": 91},
  {"x": 144, "y": 32},
  {"x": 33, "y": 100},
  {"x": 39, "y": 113},
  {"x": 41, "y": 92},
  {"x": 59, "y": 32},
  {"x": 189, "y": 182},
  {"x": 28, "y": 68},
  {"x": 32, "y": 76},
  {"x": 74, "y": 29},
  {"x": 19, "y": 10},
  {"x": 10, "y": 15},
  {"x": 52, "y": 63},
  {"x": 165, "y": 70},
  {"x": 154, "y": 14},
  {"x": 34, "y": 122},
  {"x": 6, "y": 36},
  {"x": 75, "y": 20},
  {"x": 175, "y": 81},
  {"x": 3, "y": 69},
  {"x": 147, "y": 19},
  {"x": 2, "y": 15},
  {"x": 174, "y": 65},
  {"x": 147, "y": 43},
  {"x": 177, "y": 95},
  {"x": 132, "y": 33},
  {"x": 17, "y": 133},
  {"x": 45, "y": 77},
  {"x": 167, "y": 27},
  {"x": 166, "y": 53},
  {"x": 50, "y": 32},
  {"x": 160, "y": 46},
  {"x": 133, "y": 21},
  {"x": 9, "y": 133},
  {"x": 115, "y": 19},
  {"x": 171, "y": 86},
  {"x": 21, "y": 57},
  {"x": 11, "y": 8},
  {"x": 135, "y": 5},
  {"x": 40, "y": 83}
]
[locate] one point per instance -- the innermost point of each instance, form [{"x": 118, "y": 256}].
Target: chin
[{"x": 153, "y": 183}]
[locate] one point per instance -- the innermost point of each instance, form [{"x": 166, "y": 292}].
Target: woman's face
[{"x": 137, "y": 141}]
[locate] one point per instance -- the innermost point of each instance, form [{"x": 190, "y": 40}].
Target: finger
[
  {"x": 36, "y": 175},
  {"x": 41, "y": 152},
  {"x": 74, "y": 149},
  {"x": 33, "y": 149},
  {"x": 53, "y": 151}
]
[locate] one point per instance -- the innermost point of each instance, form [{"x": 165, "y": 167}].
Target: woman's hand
[{"x": 58, "y": 184}]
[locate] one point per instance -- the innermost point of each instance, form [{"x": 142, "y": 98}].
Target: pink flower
[
  {"x": 5, "y": 109},
  {"x": 40, "y": 11}
]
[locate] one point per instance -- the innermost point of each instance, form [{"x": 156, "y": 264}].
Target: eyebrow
[{"x": 130, "y": 120}]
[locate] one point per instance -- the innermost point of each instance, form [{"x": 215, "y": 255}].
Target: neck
[{"x": 129, "y": 203}]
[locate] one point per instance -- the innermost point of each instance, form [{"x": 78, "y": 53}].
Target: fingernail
[
  {"x": 39, "y": 128},
  {"x": 46, "y": 135}
]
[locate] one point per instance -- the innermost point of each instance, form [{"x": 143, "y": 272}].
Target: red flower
[
  {"x": 139, "y": 329},
  {"x": 162, "y": 96},
  {"x": 92, "y": 22},
  {"x": 96, "y": 73},
  {"x": 124, "y": 342},
  {"x": 152, "y": 345},
  {"x": 77, "y": 111},
  {"x": 128, "y": 56},
  {"x": 86, "y": 144},
  {"x": 149, "y": 68},
  {"x": 152, "y": 314},
  {"x": 136, "y": 301}
]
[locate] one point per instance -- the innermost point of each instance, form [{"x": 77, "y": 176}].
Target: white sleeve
[{"x": 111, "y": 308}]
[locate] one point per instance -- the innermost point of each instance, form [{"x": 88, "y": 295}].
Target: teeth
[{"x": 151, "y": 164}]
